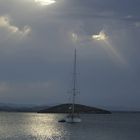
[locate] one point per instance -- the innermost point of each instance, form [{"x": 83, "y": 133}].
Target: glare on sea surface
[
  {"x": 44, "y": 126},
  {"x": 45, "y": 2}
]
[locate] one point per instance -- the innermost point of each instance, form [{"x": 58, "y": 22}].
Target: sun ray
[
  {"x": 104, "y": 39},
  {"x": 114, "y": 52}
]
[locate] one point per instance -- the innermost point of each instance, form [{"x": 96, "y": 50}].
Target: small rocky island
[{"x": 82, "y": 109}]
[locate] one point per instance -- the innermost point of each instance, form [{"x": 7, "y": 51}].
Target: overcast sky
[{"x": 37, "y": 41}]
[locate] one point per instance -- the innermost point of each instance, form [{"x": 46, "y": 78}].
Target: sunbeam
[{"x": 103, "y": 38}]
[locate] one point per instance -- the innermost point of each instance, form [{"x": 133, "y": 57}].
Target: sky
[{"x": 37, "y": 42}]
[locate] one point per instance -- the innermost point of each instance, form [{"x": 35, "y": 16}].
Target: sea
[{"x": 34, "y": 126}]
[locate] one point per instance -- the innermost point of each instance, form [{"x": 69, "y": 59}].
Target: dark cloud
[{"x": 38, "y": 67}]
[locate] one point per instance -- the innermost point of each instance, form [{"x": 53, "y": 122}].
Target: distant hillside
[
  {"x": 21, "y": 108},
  {"x": 66, "y": 108}
]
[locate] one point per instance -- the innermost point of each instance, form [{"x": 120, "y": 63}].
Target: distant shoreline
[{"x": 5, "y": 107}]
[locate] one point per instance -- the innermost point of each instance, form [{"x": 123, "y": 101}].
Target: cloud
[
  {"x": 4, "y": 87},
  {"x": 48, "y": 54},
  {"x": 74, "y": 37},
  {"x": 35, "y": 91},
  {"x": 28, "y": 86},
  {"x": 101, "y": 36},
  {"x": 137, "y": 24},
  {"x": 45, "y": 2},
  {"x": 5, "y": 23}
]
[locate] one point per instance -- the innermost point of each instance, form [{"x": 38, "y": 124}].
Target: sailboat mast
[{"x": 74, "y": 82}]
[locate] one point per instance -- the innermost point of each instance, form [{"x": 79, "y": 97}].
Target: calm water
[{"x": 31, "y": 126}]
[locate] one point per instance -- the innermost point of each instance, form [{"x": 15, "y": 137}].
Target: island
[{"x": 82, "y": 109}]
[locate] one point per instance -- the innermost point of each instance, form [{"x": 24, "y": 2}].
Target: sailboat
[{"x": 72, "y": 117}]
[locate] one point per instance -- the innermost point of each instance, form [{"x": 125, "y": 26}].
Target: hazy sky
[{"x": 37, "y": 41}]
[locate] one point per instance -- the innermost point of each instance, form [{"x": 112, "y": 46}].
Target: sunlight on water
[
  {"x": 33, "y": 126},
  {"x": 46, "y": 128}
]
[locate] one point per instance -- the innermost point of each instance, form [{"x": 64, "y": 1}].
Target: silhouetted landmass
[
  {"x": 63, "y": 108},
  {"x": 21, "y": 108},
  {"x": 125, "y": 111},
  {"x": 66, "y": 108}
]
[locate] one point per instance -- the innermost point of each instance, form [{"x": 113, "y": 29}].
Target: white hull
[{"x": 73, "y": 120}]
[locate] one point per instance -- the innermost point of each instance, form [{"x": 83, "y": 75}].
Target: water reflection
[
  {"x": 18, "y": 126},
  {"x": 45, "y": 126},
  {"x": 32, "y": 126}
]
